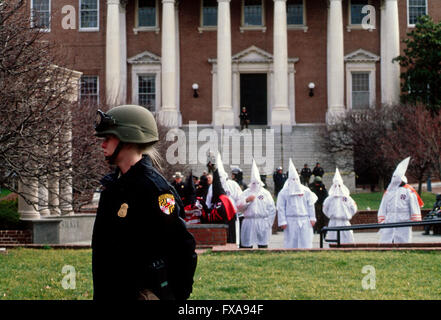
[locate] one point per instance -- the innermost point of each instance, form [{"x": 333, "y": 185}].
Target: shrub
[{"x": 9, "y": 216}]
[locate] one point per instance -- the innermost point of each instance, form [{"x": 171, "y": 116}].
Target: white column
[
  {"x": 390, "y": 48},
  {"x": 280, "y": 112},
  {"x": 43, "y": 197},
  {"x": 28, "y": 189},
  {"x": 123, "y": 53},
  {"x": 113, "y": 54},
  {"x": 335, "y": 60},
  {"x": 169, "y": 114},
  {"x": 224, "y": 114}
]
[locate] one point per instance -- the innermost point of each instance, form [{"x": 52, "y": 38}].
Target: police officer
[
  {"x": 141, "y": 248},
  {"x": 179, "y": 184}
]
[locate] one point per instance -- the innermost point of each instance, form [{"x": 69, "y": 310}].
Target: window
[
  {"x": 41, "y": 14},
  {"x": 209, "y": 13},
  {"x": 89, "y": 14},
  {"x": 252, "y": 13},
  {"x": 89, "y": 90},
  {"x": 416, "y": 9},
  {"x": 147, "y": 91},
  {"x": 294, "y": 12},
  {"x": 356, "y": 6},
  {"x": 146, "y": 13},
  {"x": 360, "y": 90}
]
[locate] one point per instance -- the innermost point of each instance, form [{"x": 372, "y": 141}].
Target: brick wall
[
  {"x": 15, "y": 236},
  {"x": 208, "y": 235}
]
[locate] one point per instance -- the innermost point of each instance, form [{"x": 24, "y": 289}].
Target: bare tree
[
  {"x": 416, "y": 132},
  {"x": 39, "y": 111},
  {"x": 360, "y": 133}
]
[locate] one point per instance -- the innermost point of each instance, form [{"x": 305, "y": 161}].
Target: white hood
[
  {"x": 293, "y": 181},
  {"x": 255, "y": 182},
  {"x": 223, "y": 175},
  {"x": 399, "y": 175},
  {"x": 338, "y": 189}
]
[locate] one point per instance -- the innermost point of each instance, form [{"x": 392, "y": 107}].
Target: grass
[
  {"x": 372, "y": 200},
  {"x": 415, "y": 275}
]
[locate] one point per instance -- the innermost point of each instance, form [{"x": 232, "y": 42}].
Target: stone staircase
[{"x": 270, "y": 148}]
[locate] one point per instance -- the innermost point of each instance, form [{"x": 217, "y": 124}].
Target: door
[{"x": 253, "y": 96}]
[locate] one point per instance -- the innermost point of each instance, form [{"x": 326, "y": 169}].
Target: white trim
[
  {"x": 94, "y": 29},
  {"x": 146, "y": 63},
  {"x": 243, "y": 27},
  {"x": 357, "y": 26},
  {"x": 361, "y": 61},
  {"x": 407, "y": 12},
  {"x": 154, "y": 28},
  {"x": 367, "y": 67},
  {"x": 302, "y": 27},
  {"x": 97, "y": 87},
  {"x": 201, "y": 27},
  {"x": 50, "y": 16}
]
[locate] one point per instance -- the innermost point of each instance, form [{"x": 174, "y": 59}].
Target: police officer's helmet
[{"x": 129, "y": 123}]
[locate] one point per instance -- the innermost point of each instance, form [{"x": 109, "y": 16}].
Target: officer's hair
[{"x": 151, "y": 150}]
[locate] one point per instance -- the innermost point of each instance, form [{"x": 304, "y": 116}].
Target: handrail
[{"x": 324, "y": 230}]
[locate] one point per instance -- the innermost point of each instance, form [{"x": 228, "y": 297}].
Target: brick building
[{"x": 292, "y": 63}]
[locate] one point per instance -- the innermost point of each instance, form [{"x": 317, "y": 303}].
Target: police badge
[
  {"x": 122, "y": 212},
  {"x": 166, "y": 203}
]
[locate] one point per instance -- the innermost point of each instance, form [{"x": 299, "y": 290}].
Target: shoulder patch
[{"x": 167, "y": 203}]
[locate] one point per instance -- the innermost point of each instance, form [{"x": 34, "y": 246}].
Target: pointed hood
[
  {"x": 293, "y": 181},
  {"x": 399, "y": 175},
  {"x": 189, "y": 190},
  {"x": 223, "y": 175},
  {"x": 255, "y": 182},
  {"x": 338, "y": 189}
]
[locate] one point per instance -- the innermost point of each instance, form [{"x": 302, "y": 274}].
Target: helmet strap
[{"x": 111, "y": 159}]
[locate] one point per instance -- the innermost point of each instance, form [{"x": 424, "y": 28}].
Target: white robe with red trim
[{"x": 398, "y": 206}]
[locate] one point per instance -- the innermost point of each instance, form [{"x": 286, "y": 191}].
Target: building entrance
[{"x": 253, "y": 96}]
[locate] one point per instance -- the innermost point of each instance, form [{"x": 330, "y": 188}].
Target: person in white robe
[
  {"x": 259, "y": 211},
  {"x": 400, "y": 203},
  {"x": 339, "y": 207},
  {"x": 296, "y": 211}
]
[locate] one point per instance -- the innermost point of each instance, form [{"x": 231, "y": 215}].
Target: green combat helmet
[{"x": 129, "y": 123}]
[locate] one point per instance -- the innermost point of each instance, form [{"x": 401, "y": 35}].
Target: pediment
[
  {"x": 145, "y": 57},
  {"x": 253, "y": 54},
  {"x": 361, "y": 55}
]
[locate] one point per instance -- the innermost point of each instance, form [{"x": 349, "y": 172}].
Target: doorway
[{"x": 253, "y": 96}]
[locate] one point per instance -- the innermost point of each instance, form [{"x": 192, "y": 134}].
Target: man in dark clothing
[
  {"x": 320, "y": 191},
  {"x": 305, "y": 174},
  {"x": 244, "y": 121},
  {"x": 237, "y": 175},
  {"x": 279, "y": 179},
  {"x": 178, "y": 184},
  {"x": 318, "y": 170}
]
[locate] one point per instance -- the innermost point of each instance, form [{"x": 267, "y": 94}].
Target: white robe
[
  {"x": 398, "y": 206},
  {"x": 258, "y": 218},
  {"x": 340, "y": 210},
  {"x": 297, "y": 211}
]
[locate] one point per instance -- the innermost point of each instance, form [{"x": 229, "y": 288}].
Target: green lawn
[
  {"x": 37, "y": 274},
  {"x": 373, "y": 199}
]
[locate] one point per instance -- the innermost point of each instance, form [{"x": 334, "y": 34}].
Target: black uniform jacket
[{"x": 124, "y": 247}]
